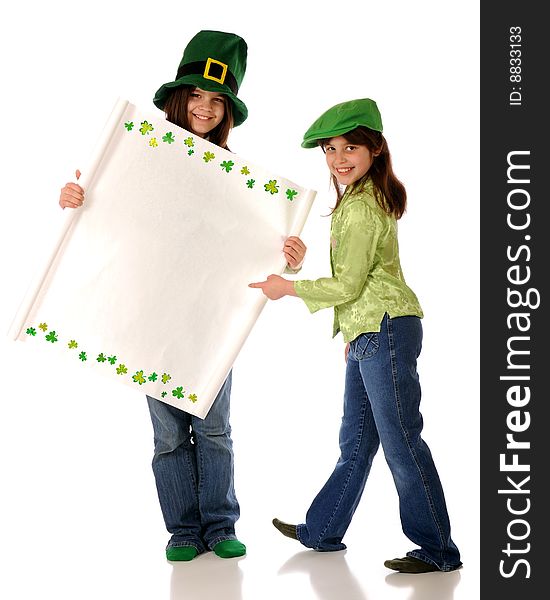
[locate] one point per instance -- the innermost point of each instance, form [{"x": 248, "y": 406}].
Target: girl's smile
[
  {"x": 347, "y": 162},
  {"x": 205, "y": 110}
]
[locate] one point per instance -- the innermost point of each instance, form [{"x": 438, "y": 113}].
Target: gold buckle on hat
[{"x": 209, "y": 63}]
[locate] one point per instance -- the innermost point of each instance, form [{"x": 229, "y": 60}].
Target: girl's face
[
  {"x": 347, "y": 162},
  {"x": 205, "y": 110}
]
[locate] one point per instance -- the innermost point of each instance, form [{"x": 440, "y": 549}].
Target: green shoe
[
  {"x": 229, "y": 549},
  {"x": 181, "y": 553},
  {"x": 409, "y": 564},
  {"x": 286, "y": 529}
]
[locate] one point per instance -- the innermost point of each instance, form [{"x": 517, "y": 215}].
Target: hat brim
[
  {"x": 240, "y": 112},
  {"x": 311, "y": 140}
]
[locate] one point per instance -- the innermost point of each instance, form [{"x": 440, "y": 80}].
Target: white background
[{"x": 79, "y": 515}]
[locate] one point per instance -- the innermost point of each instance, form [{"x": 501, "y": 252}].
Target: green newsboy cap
[
  {"x": 342, "y": 118},
  {"x": 214, "y": 61}
]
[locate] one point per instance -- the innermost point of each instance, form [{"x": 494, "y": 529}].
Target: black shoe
[
  {"x": 409, "y": 564},
  {"x": 286, "y": 529}
]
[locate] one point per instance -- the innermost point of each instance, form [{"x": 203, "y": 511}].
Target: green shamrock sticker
[
  {"x": 111, "y": 359},
  {"x": 227, "y": 165},
  {"x": 271, "y": 187},
  {"x": 290, "y": 194},
  {"x": 129, "y": 126},
  {"x": 178, "y": 392},
  {"x": 250, "y": 183},
  {"x": 153, "y": 377},
  {"x": 31, "y": 331},
  {"x": 139, "y": 377},
  {"x": 82, "y": 356},
  {"x": 51, "y": 337},
  {"x": 101, "y": 358},
  {"x": 168, "y": 138},
  {"x": 145, "y": 128}
]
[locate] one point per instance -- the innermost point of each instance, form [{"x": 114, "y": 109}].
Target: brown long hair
[
  {"x": 389, "y": 192},
  {"x": 175, "y": 109}
]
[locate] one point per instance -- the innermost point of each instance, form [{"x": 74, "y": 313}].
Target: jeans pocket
[{"x": 365, "y": 345}]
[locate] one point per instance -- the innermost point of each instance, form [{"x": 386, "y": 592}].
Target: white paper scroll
[{"x": 148, "y": 281}]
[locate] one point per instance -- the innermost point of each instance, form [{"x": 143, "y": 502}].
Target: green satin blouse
[{"x": 367, "y": 280}]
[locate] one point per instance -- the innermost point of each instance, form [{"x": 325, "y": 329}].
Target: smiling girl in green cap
[
  {"x": 379, "y": 317},
  {"x": 193, "y": 457}
]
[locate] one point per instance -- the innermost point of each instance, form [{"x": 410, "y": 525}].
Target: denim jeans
[
  {"x": 193, "y": 468},
  {"x": 381, "y": 405}
]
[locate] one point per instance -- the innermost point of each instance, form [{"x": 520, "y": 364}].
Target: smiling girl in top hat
[
  {"x": 193, "y": 458},
  {"x": 379, "y": 317}
]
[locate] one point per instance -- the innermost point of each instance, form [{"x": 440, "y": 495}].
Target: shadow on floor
[
  {"x": 427, "y": 586},
  {"x": 206, "y": 576},
  {"x": 329, "y": 574}
]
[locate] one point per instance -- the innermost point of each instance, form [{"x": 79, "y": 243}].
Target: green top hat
[
  {"x": 342, "y": 118},
  {"x": 214, "y": 61}
]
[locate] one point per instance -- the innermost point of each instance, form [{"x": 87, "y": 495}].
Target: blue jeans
[
  {"x": 381, "y": 405},
  {"x": 193, "y": 468}
]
